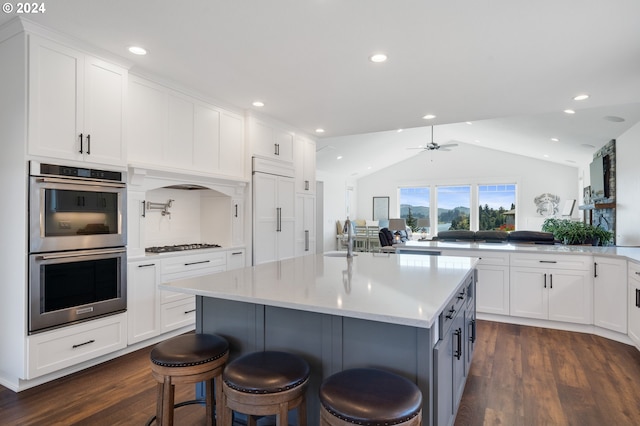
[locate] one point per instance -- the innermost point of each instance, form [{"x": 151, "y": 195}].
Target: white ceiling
[{"x": 509, "y": 66}]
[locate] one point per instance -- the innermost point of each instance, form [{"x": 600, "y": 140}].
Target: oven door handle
[
  {"x": 81, "y": 182},
  {"x": 76, "y": 254}
]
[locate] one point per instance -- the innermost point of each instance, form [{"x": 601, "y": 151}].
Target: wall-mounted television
[{"x": 596, "y": 174}]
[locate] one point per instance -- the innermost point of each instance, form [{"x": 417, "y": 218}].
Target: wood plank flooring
[{"x": 519, "y": 376}]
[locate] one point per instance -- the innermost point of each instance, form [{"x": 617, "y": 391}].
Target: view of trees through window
[{"x": 496, "y": 210}]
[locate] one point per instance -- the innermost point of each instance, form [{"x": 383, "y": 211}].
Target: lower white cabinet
[
  {"x": 65, "y": 347},
  {"x": 634, "y": 303},
  {"x": 305, "y": 224},
  {"x": 179, "y": 313},
  {"x": 143, "y": 300},
  {"x": 610, "y": 293},
  {"x": 235, "y": 259}
]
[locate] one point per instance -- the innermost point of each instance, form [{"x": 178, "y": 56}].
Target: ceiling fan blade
[{"x": 448, "y": 145}]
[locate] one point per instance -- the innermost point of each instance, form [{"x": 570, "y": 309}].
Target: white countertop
[
  {"x": 400, "y": 289},
  {"x": 631, "y": 253}
]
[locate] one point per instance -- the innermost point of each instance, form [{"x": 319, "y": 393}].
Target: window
[
  {"x": 414, "y": 205},
  {"x": 497, "y": 207},
  {"x": 454, "y": 207}
]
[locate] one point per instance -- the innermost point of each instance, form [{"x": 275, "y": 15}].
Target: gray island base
[{"x": 413, "y": 315}]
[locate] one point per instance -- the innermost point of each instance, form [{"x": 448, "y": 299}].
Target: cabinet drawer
[
  {"x": 552, "y": 261},
  {"x": 451, "y": 310},
  {"x": 179, "y": 267},
  {"x": 486, "y": 257},
  {"x": 634, "y": 272},
  {"x": 68, "y": 346},
  {"x": 178, "y": 314}
]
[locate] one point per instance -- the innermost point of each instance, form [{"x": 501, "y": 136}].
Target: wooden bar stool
[
  {"x": 370, "y": 397},
  {"x": 189, "y": 358},
  {"x": 266, "y": 383}
]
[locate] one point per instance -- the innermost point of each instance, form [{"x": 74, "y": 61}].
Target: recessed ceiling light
[
  {"x": 581, "y": 97},
  {"x": 137, "y": 50},
  {"x": 469, "y": 123},
  {"x": 399, "y": 130},
  {"x": 319, "y": 130},
  {"x": 555, "y": 139},
  {"x": 378, "y": 57},
  {"x": 429, "y": 117},
  {"x": 546, "y": 155},
  {"x": 570, "y": 161},
  {"x": 339, "y": 157},
  {"x": 258, "y": 104},
  {"x": 587, "y": 145},
  {"x": 614, "y": 119},
  {"x": 569, "y": 111}
]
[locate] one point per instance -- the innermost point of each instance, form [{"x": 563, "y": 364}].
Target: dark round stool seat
[
  {"x": 185, "y": 359},
  {"x": 266, "y": 372},
  {"x": 368, "y": 396},
  {"x": 189, "y": 350},
  {"x": 266, "y": 383}
]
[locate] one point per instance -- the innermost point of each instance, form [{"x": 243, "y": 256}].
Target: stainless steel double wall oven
[{"x": 77, "y": 239}]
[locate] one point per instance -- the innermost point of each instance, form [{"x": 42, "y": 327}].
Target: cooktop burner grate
[{"x": 180, "y": 247}]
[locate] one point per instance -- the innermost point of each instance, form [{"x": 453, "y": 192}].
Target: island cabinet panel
[
  {"x": 329, "y": 343},
  {"x": 610, "y": 293}
]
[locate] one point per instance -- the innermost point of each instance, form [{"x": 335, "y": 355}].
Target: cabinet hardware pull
[
  {"x": 144, "y": 210},
  {"x": 82, "y": 344},
  {"x": 595, "y": 269},
  {"x": 236, "y": 208},
  {"x": 278, "y": 219},
  {"x": 637, "y": 297},
  {"x": 637, "y": 273},
  {"x": 188, "y": 312},
  {"x": 306, "y": 185},
  {"x": 545, "y": 280},
  {"x": 306, "y": 240},
  {"x": 472, "y": 338},
  {"x": 458, "y": 352},
  {"x": 235, "y": 253},
  {"x": 88, "y": 144},
  {"x": 461, "y": 295},
  {"x": 548, "y": 261},
  {"x": 80, "y": 144},
  {"x": 197, "y": 263},
  {"x": 146, "y": 265},
  {"x": 550, "y": 280},
  {"x": 450, "y": 314},
  {"x": 277, "y": 149}
]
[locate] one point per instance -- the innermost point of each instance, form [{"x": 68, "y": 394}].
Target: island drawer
[
  {"x": 552, "y": 261},
  {"x": 455, "y": 305},
  {"x": 634, "y": 271},
  {"x": 180, "y": 313}
]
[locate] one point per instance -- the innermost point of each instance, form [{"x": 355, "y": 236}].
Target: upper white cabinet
[
  {"x": 76, "y": 104},
  {"x": 610, "y": 293},
  {"x": 304, "y": 151},
  {"x": 171, "y": 129},
  {"x": 269, "y": 141}
]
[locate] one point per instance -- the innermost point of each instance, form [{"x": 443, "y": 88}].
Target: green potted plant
[{"x": 573, "y": 232}]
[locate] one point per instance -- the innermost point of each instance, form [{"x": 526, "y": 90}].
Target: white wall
[
  {"x": 628, "y": 188},
  {"x": 467, "y": 164},
  {"x": 335, "y": 206}
]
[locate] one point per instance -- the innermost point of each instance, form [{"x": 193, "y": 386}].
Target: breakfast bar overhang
[{"x": 411, "y": 314}]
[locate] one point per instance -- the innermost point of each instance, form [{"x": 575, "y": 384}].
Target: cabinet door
[
  {"x": 235, "y": 259},
  {"x": 470, "y": 338},
  {"x": 270, "y": 142},
  {"x": 56, "y": 78},
  {"x": 237, "y": 221},
  {"x": 143, "y": 303},
  {"x": 528, "y": 293},
  {"x": 634, "y": 312},
  {"x": 179, "y": 149},
  {"x": 148, "y": 115},
  {"x": 305, "y": 164},
  {"x": 570, "y": 296},
  {"x": 206, "y": 140},
  {"x": 305, "y": 224},
  {"x": 458, "y": 333},
  {"x": 287, "y": 205},
  {"x": 231, "y": 145},
  {"x": 610, "y": 293},
  {"x": 443, "y": 380},
  {"x": 265, "y": 215},
  {"x": 493, "y": 289},
  {"x": 104, "y": 100}
]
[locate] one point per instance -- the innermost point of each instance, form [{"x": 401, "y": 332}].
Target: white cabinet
[
  {"x": 273, "y": 216},
  {"x": 235, "y": 259},
  {"x": 270, "y": 141},
  {"x": 237, "y": 221},
  {"x": 492, "y": 296},
  {"x": 305, "y": 224},
  {"x": 65, "y": 347},
  {"x": 143, "y": 300},
  {"x": 552, "y": 287},
  {"x": 634, "y": 303},
  {"x": 76, "y": 105},
  {"x": 610, "y": 293},
  {"x": 170, "y": 129},
  {"x": 304, "y": 150}
]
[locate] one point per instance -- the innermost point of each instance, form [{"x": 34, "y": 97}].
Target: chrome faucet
[{"x": 349, "y": 231}]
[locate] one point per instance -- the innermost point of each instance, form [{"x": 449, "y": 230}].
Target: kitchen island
[{"x": 403, "y": 313}]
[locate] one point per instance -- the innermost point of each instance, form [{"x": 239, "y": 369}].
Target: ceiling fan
[{"x": 432, "y": 146}]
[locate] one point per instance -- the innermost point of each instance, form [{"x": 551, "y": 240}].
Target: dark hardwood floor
[{"x": 519, "y": 376}]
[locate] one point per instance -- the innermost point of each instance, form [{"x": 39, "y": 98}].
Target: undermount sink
[{"x": 338, "y": 254}]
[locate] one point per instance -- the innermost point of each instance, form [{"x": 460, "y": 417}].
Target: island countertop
[{"x": 403, "y": 289}]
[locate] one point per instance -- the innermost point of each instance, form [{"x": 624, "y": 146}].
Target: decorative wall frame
[{"x": 380, "y": 208}]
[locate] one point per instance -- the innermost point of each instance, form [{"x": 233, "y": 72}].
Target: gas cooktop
[{"x": 180, "y": 247}]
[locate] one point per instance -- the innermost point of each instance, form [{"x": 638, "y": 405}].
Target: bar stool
[
  {"x": 371, "y": 397},
  {"x": 265, "y": 383},
  {"x": 189, "y": 358}
]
